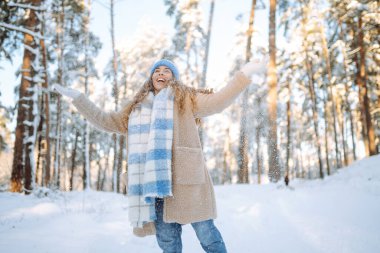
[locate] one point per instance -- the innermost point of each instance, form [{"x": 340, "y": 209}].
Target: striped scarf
[{"x": 150, "y": 139}]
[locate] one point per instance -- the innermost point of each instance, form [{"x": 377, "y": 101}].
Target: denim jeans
[{"x": 169, "y": 234}]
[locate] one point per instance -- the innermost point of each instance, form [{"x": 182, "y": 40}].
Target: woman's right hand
[{"x": 68, "y": 92}]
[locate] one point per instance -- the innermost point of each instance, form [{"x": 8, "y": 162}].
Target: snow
[
  {"x": 27, "y": 6},
  {"x": 21, "y": 29},
  {"x": 337, "y": 214}
]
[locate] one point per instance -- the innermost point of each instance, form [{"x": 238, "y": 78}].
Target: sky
[{"x": 128, "y": 14}]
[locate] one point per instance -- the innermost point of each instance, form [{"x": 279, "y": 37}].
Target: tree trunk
[
  {"x": 369, "y": 133},
  {"x": 120, "y": 161},
  {"x": 300, "y": 156},
  {"x": 87, "y": 160},
  {"x": 115, "y": 160},
  {"x": 243, "y": 144},
  {"x": 288, "y": 131},
  {"x": 100, "y": 171},
  {"x": 21, "y": 166},
  {"x": 73, "y": 157},
  {"x": 60, "y": 72},
  {"x": 104, "y": 177},
  {"x": 346, "y": 95},
  {"x": 330, "y": 97},
  {"x": 315, "y": 112},
  {"x": 114, "y": 58},
  {"x": 46, "y": 106},
  {"x": 259, "y": 160},
  {"x": 326, "y": 117},
  {"x": 227, "y": 159},
  {"x": 248, "y": 53},
  {"x": 274, "y": 167},
  {"x": 84, "y": 165},
  {"x": 116, "y": 96},
  {"x": 39, "y": 155},
  {"x": 343, "y": 133},
  {"x": 57, "y": 148},
  {"x": 205, "y": 64},
  {"x": 352, "y": 128}
]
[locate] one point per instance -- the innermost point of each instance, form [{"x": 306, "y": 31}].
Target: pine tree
[
  {"x": 23, "y": 167},
  {"x": 357, "y": 19}
]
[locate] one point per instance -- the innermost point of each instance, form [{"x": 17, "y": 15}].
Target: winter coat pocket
[{"x": 188, "y": 166}]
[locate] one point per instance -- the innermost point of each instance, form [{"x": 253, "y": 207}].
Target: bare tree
[
  {"x": 330, "y": 95},
  {"x": 314, "y": 109},
  {"x": 46, "y": 107},
  {"x": 202, "y": 84},
  {"x": 288, "y": 131},
  {"x": 243, "y": 144},
  {"x": 274, "y": 167},
  {"x": 118, "y": 151}
]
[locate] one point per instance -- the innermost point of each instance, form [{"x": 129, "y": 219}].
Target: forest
[{"x": 314, "y": 111}]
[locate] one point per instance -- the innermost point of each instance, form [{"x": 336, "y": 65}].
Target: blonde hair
[{"x": 181, "y": 91}]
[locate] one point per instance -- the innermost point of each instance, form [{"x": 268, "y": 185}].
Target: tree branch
[
  {"x": 27, "y": 6},
  {"x": 21, "y": 29}
]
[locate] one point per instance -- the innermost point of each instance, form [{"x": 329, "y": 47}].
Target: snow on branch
[
  {"x": 38, "y": 79},
  {"x": 27, "y": 6},
  {"x": 27, "y": 123},
  {"x": 32, "y": 50},
  {"x": 37, "y": 68},
  {"x": 28, "y": 78},
  {"x": 375, "y": 111},
  {"x": 21, "y": 29},
  {"x": 353, "y": 51},
  {"x": 39, "y": 16},
  {"x": 25, "y": 70}
]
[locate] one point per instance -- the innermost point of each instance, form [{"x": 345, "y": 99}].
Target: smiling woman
[
  {"x": 162, "y": 72},
  {"x": 166, "y": 166},
  {"x": 161, "y": 77}
]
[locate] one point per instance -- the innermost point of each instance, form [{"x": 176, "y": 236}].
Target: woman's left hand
[{"x": 256, "y": 66}]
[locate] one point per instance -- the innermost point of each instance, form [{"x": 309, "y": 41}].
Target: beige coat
[{"x": 193, "y": 194}]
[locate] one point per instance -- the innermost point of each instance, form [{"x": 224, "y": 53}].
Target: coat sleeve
[
  {"x": 208, "y": 104},
  {"x": 106, "y": 121}
]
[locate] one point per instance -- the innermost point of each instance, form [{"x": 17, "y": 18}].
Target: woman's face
[{"x": 161, "y": 77}]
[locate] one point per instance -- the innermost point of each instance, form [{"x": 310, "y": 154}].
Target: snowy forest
[{"x": 314, "y": 111}]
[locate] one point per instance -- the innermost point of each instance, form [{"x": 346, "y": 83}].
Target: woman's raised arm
[
  {"x": 106, "y": 121},
  {"x": 208, "y": 104}
]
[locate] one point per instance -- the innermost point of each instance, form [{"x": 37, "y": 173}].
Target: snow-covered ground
[{"x": 338, "y": 214}]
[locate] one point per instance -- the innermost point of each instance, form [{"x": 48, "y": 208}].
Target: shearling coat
[{"x": 193, "y": 194}]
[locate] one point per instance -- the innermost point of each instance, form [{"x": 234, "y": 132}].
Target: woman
[{"x": 168, "y": 183}]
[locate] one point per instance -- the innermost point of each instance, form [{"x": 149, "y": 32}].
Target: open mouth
[{"x": 161, "y": 80}]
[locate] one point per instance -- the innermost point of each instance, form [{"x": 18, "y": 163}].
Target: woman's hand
[
  {"x": 68, "y": 92},
  {"x": 256, "y": 66}
]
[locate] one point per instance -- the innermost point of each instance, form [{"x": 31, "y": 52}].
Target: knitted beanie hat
[{"x": 166, "y": 63}]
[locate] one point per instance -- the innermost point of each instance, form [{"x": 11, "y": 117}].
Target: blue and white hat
[{"x": 166, "y": 63}]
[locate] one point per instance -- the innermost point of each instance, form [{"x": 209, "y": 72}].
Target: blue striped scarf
[{"x": 150, "y": 139}]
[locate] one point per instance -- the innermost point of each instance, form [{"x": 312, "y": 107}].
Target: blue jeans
[{"x": 169, "y": 234}]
